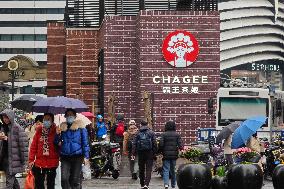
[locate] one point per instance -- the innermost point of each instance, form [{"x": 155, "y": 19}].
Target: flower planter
[
  {"x": 245, "y": 176},
  {"x": 194, "y": 176},
  {"x": 277, "y": 178},
  {"x": 219, "y": 183}
]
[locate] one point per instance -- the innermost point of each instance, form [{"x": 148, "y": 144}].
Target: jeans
[
  {"x": 169, "y": 167},
  {"x": 71, "y": 168},
  {"x": 133, "y": 165},
  {"x": 40, "y": 174},
  {"x": 145, "y": 163}
]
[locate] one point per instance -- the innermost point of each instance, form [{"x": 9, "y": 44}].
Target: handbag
[{"x": 30, "y": 181}]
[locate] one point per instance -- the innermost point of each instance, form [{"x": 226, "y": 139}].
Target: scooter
[
  {"x": 105, "y": 159},
  {"x": 272, "y": 159}
]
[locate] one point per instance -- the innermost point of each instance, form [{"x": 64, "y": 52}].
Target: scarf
[{"x": 44, "y": 136}]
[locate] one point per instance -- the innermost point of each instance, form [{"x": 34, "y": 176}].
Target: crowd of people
[{"x": 40, "y": 148}]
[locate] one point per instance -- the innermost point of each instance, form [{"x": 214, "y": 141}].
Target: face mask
[
  {"x": 46, "y": 124},
  {"x": 70, "y": 119}
]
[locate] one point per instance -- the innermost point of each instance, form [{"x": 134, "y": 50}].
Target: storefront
[{"x": 172, "y": 55}]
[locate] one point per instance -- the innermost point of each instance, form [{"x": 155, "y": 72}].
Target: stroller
[{"x": 105, "y": 159}]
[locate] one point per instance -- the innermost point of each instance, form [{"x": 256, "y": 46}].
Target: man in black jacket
[
  {"x": 169, "y": 145},
  {"x": 145, "y": 147}
]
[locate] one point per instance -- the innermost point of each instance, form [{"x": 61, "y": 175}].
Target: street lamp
[
  {"x": 13, "y": 65},
  {"x": 271, "y": 93}
]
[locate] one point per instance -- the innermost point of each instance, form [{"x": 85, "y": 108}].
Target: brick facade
[
  {"x": 133, "y": 56},
  {"x": 56, "y": 47}
]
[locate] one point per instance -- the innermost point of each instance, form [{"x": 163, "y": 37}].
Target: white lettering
[
  {"x": 155, "y": 79},
  {"x": 167, "y": 79},
  {"x": 166, "y": 90},
  {"x": 253, "y": 66},
  {"x": 204, "y": 79},
  {"x": 175, "y": 90},
  {"x": 195, "y": 79},
  {"x": 186, "y": 79},
  {"x": 176, "y": 80}
]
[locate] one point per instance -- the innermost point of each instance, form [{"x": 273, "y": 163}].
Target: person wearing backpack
[
  {"x": 170, "y": 144},
  {"x": 118, "y": 129},
  {"x": 101, "y": 128},
  {"x": 145, "y": 147},
  {"x": 129, "y": 135}
]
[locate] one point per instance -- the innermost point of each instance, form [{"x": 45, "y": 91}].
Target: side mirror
[{"x": 210, "y": 105}]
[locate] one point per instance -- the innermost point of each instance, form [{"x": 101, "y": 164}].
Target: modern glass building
[
  {"x": 23, "y": 27},
  {"x": 252, "y": 41}
]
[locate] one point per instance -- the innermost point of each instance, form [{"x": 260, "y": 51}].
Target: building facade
[
  {"x": 123, "y": 58},
  {"x": 23, "y": 27},
  {"x": 252, "y": 41}
]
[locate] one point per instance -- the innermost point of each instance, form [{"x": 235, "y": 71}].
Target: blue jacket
[
  {"x": 73, "y": 141},
  {"x": 101, "y": 131}
]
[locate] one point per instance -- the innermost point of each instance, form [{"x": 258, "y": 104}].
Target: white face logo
[{"x": 180, "y": 45}]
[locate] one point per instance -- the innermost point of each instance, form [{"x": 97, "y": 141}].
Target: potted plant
[
  {"x": 277, "y": 177},
  {"x": 246, "y": 156},
  {"x": 194, "y": 174},
  {"x": 219, "y": 181},
  {"x": 247, "y": 174}
]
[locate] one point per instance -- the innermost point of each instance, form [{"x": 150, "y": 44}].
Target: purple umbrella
[{"x": 58, "y": 105}]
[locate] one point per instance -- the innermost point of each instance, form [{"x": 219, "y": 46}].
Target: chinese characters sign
[
  {"x": 180, "y": 48},
  {"x": 186, "y": 81}
]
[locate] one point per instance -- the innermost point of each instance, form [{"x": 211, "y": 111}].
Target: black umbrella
[
  {"x": 25, "y": 102},
  {"x": 227, "y": 131}
]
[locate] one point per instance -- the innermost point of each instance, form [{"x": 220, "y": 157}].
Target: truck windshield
[{"x": 239, "y": 109}]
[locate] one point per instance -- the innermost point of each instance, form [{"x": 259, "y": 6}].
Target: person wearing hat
[
  {"x": 101, "y": 128},
  {"x": 129, "y": 135},
  {"x": 13, "y": 148}
]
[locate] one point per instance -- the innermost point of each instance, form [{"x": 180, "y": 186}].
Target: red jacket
[{"x": 36, "y": 149}]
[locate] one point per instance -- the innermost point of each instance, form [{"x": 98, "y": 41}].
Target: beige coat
[
  {"x": 30, "y": 131},
  {"x": 131, "y": 132},
  {"x": 254, "y": 144},
  {"x": 227, "y": 146}
]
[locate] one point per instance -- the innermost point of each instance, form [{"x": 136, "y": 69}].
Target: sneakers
[
  {"x": 146, "y": 187},
  {"x": 166, "y": 186}
]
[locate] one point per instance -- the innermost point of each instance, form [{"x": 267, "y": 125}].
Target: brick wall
[
  {"x": 80, "y": 47},
  {"x": 55, "y": 54},
  {"x": 133, "y": 56},
  {"x": 82, "y": 67},
  {"x": 120, "y": 62}
]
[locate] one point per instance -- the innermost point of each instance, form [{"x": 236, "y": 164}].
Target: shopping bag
[
  {"x": 87, "y": 174},
  {"x": 30, "y": 181}
]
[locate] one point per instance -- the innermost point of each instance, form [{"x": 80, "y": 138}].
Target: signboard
[
  {"x": 265, "y": 67},
  {"x": 180, "y": 48}
]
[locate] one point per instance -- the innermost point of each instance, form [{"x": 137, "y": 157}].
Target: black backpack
[{"x": 144, "y": 142}]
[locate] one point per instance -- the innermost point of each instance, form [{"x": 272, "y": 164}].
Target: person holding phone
[{"x": 13, "y": 148}]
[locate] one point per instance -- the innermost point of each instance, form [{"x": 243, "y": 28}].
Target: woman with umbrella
[
  {"x": 72, "y": 137},
  {"x": 43, "y": 156},
  {"x": 226, "y": 135}
]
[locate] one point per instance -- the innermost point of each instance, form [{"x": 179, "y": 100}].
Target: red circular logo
[{"x": 180, "y": 48}]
